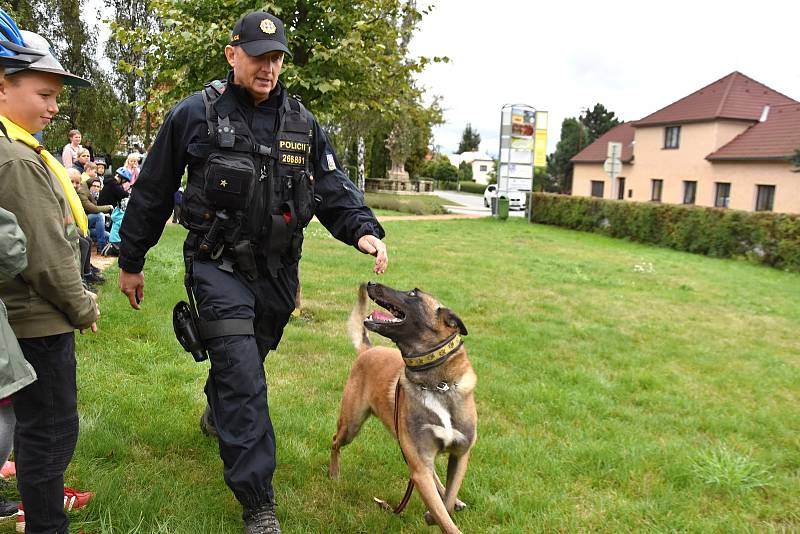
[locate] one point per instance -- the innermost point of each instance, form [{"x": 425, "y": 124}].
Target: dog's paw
[
  {"x": 429, "y": 518},
  {"x": 460, "y": 505}
]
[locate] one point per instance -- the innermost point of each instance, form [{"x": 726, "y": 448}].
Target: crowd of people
[{"x": 103, "y": 196}]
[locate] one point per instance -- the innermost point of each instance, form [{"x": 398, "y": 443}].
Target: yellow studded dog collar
[{"x": 436, "y": 357}]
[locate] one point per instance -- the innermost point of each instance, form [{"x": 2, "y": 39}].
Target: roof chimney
[{"x": 764, "y": 113}]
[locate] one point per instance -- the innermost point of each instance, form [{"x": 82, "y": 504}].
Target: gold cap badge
[{"x": 267, "y": 26}]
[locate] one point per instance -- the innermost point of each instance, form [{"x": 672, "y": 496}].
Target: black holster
[{"x": 184, "y": 322}]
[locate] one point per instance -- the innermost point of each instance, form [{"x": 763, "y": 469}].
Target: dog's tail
[{"x": 355, "y": 326}]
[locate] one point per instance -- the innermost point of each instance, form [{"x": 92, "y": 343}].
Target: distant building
[
  {"x": 727, "y": 145},
  {"x": 481, "y": 164},
  {"x": 481, "y": 167}
]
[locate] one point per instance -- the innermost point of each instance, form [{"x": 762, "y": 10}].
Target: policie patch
[{"x": 292, "y": 146}]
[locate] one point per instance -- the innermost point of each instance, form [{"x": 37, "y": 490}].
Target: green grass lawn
[{"x": 622, "y": 388}]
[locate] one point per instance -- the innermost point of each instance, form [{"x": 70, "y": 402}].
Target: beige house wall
[
  {"x": 744, "y": 176},
  {"x": 688, "y": 163},
  {"x": 481, "y": 177},
  {"x": 586, "y": 173},
  {"x": 674, "y": 165}
]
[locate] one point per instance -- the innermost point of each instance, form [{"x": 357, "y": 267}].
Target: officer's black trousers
[{"x": 236, "y": 387}]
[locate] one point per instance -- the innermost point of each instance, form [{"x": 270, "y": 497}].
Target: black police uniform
[{"x": 236, "y": 385}]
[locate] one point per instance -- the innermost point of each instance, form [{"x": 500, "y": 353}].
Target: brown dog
[{"x": 423, "y": 392}]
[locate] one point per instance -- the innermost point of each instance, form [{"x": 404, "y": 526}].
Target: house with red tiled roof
[{"x": 727, "y": 145}]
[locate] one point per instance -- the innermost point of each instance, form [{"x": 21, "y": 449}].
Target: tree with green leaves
[
  {"x": 796, "y": 160},
  {"x": 439, "y": 168},
  {"x": 130, "y": 76},
  {"x": 470, "y": 140},
  {"x": 574, "y": 138},
  {"x": 543, "y": 181},
  {"x": 465, "y": 171},
  {"x": 577, "y": 134},
  {"x": 344, "y": 54},
  {"x": 598, "y": 121},
  {"x": 97, "y": 111},
  {"x": 349, "y": 63}
]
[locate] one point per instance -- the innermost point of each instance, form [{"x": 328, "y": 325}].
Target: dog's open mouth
[{"x": 395, "y": 316}]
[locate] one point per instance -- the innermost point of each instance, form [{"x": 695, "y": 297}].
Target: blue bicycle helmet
[
  {"x": 13, "y": 52},
  {"x": 125, "y": 174}
]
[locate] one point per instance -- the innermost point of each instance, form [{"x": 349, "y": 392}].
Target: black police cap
[{"x": 260, "y": 32}]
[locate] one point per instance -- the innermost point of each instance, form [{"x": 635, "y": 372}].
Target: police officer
[{"x": 259, "y": 167}]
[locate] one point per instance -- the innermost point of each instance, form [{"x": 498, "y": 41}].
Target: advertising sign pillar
[{"x": 523, "y": 146}]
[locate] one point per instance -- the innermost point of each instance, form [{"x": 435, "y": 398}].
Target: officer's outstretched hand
[
  {"x": 132, "y": 284},
  {"x": 369, "y": 244}
]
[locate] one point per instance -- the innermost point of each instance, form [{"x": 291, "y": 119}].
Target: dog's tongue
[{"x": 380, "y": 315}]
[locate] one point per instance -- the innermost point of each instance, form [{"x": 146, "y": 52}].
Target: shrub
[
  {"x": 466, "y": 187},
  {"x": 769, "y": 238},
  {"x": 416, "y": 204}
]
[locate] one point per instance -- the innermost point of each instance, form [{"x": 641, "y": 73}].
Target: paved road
[{"x": 471, "y": 204}]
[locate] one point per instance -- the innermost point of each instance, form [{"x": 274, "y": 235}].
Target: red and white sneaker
[
  {"x": 20, "y": 519},
  {"x": 9, "y": 469},
  {"x": 74, "y": 499}
]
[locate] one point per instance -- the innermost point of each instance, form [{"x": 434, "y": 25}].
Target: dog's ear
[{"x": 453, "y": 320}]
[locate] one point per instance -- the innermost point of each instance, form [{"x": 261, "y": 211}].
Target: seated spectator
[
  {"x": 101, "y": 168},
  {"x": 89, "y": 171},
  {"x": 94, "y": 212},
  {"x": 83, "y": 159},
  {"x": 112, "y": 249},
  {"x": 89, "y": 273},
  {"x": 112, "y": 191}
]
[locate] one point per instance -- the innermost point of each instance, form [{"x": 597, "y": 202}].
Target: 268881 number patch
[{"x": 293, "y": 159}]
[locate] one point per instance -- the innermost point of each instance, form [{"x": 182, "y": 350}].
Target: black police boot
[
  {"x": 261, "y": 520},
  {"x": 207, "y": 426},
  {"x": 8, "y": 508}
]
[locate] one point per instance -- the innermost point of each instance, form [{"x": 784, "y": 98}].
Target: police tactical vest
[{"x": 263, "y": 196}]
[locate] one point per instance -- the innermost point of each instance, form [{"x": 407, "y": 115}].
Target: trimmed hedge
[
  {"x": 761, "y": 237},
  {"x": 466, "y": 186}
]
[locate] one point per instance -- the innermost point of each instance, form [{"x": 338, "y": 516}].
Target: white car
[{"x": 516, "y": 199}]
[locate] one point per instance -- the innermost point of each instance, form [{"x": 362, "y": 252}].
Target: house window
[
  {"x": 765, "y": 197},
  {"x": 657, "y": 187},
  {"x": 597, "y": 188},
  {"x": 672, "y": 136},
  {"x": 620, "y": 188},
  {"x": 689, "y": 192},
  {"x": 722, "y": 196},
  {"x": 483, "y": 168}
]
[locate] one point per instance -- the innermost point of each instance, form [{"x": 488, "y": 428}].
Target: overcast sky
[{"x": 634, "y": 57}]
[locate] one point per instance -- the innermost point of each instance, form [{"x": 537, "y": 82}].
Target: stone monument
[{"x": 398, "y": 154}]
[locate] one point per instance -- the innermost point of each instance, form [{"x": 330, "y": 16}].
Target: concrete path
[{"x": 469, "y": 204}]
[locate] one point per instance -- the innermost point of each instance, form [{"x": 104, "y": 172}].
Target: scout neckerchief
[{"x": 19, "y": 134}]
